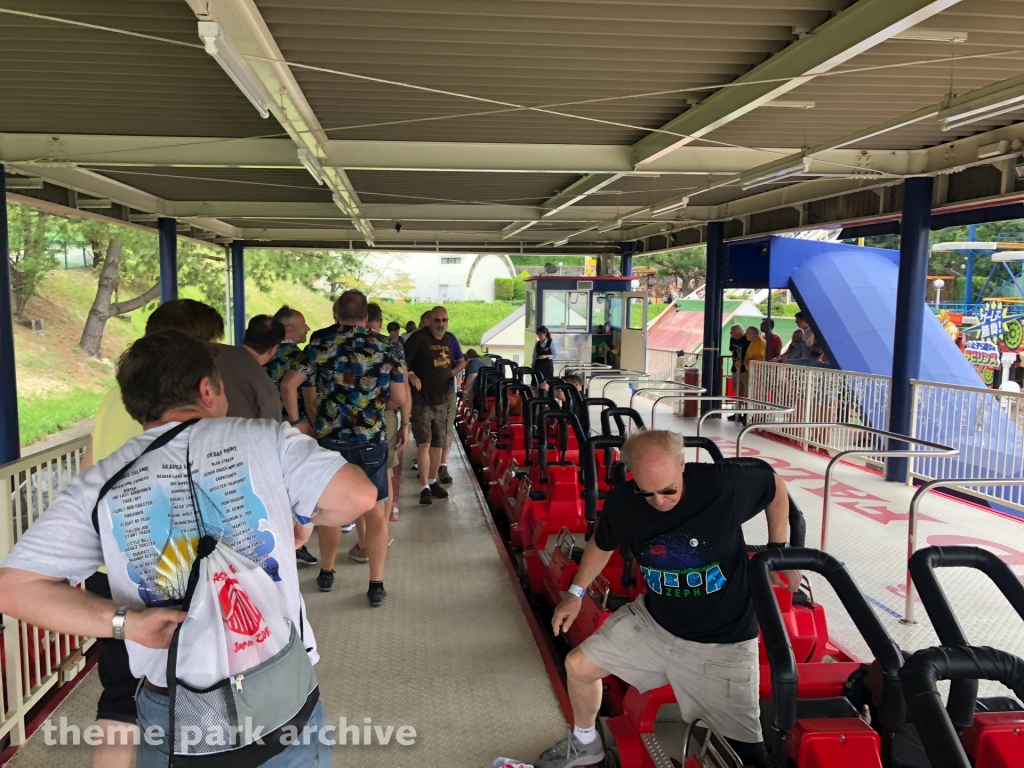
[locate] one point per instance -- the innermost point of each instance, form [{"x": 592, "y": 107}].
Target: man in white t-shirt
[{"x": 259, "y": 482}]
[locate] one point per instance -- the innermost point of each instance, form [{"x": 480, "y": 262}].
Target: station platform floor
[{"x": 450, "y": 653}]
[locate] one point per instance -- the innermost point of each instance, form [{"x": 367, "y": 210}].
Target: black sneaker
[
  {"x": 425, "y": 497},
  {"x": 443, "y": 476},
  {"x": 325, "y": 580},
  {"x": 376, "y": 595},
  {"x": 304, "y": 557},
  {"x": 437, "y": 491}
]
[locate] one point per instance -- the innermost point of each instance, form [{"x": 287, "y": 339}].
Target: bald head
[{"x": 656, "y": 458}]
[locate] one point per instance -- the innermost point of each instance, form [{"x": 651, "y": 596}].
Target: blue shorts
[{"x": 372, "y": 458}]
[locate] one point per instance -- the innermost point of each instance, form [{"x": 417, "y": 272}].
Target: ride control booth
[{"x": 591, "y": 320}]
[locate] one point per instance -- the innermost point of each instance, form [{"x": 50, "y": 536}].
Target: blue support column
[
  {"x": 238, "y": 289},
  {"x": 626, "y": 262},
  {"x": 710, "y": 365},
  {"x": 10, "y": 440},
  {"x": 911, "y": 292},
  {"x": 972, "y": 236},
  {"x": 168, "y": 229}
]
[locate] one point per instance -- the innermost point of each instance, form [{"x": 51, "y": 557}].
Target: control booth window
[
  {"x": 565, "y": 309},
  {"x": 531, "y": 308},
  {"x": 635, "y": 308}
]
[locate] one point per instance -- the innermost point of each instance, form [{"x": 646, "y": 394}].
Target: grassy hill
[{"x": 58, "y": 387}]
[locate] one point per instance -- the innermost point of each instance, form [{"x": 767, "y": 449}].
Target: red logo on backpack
[{"x": 241, "y": 615}]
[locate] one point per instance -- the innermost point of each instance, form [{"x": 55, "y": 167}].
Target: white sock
[
  {"x": 433, "y": 481},
  {"x": 585, "y": 735},
  {"x": 426, "y": 487}
]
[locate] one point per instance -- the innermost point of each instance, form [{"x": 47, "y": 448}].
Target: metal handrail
[
  {"x": 915, "y": 503},
  {"x": 676, "y": 384},
  {"x": 937, "y": 450},
  {"x": 714, "y": 398},
  {"x": 623, "y": 376}
]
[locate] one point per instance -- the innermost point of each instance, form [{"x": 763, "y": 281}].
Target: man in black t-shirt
[
  {"x": 434, "y": 358},
  {"x": 696, "y": 628}
]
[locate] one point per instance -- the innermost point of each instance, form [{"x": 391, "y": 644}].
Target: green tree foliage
[
  {"x": 686, "y": 266},
  {"x": 34, "y": 240}
]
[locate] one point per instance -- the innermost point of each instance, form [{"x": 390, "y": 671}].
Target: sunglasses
[{"x": 649, "y": 494}]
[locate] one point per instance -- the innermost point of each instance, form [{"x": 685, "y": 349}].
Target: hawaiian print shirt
[
  {"x": 353, "y": 369},
  {"x": 288, "y": 357}
]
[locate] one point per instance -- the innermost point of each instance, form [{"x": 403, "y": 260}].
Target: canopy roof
[{"x": 505, "y": 125}]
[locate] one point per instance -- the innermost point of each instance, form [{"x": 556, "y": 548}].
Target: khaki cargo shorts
[
  {"x": 453, "y": 409},
  {"x": 391, "y": 429},
  {"x": 718, "y": 682},
  {"x": 429, "y": 424}
]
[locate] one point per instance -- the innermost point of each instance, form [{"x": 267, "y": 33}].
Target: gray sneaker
[{"x": 571, "y": 752}]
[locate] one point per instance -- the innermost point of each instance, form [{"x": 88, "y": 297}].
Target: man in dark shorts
[
  {"x": 434, "y": 357},
  {"x": 353, "y": 368},
  {"x": 695, "y": 629}
]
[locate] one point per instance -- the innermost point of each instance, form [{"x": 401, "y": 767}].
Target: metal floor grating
[{"x": 450, "y": 653}]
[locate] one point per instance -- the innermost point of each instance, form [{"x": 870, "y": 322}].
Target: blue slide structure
[{"x": 850, "y": 294}]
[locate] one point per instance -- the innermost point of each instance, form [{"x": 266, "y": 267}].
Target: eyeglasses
[
  {"x": 649, "y": 494},
  {"x": 441, "y": 320}
]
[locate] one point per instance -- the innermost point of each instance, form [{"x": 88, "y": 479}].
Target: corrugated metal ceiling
[
  {"x": 524, "y": 52},
  {"x": 56, "y": 78}
]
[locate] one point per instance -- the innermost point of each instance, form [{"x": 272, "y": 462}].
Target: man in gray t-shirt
[{"x": 251, "y": 393}]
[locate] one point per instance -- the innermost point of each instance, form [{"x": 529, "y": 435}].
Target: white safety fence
[
  {"x": 827, "y": 396},
  {"x": 661, "y": 364},
  {"x": 987, "y": 426},
  {"x": 33, "y": 660}
]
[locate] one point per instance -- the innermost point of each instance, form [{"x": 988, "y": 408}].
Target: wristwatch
[
  {"x": 117, "y": 624},
  {"x": 579, "y": 592}
]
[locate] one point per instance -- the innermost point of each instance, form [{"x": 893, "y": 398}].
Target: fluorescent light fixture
[
  {"x": 563, "y": 241},
  {"x": 931, "y": 35},
  {"x": 984, "y": 103},
  {"x": 777, "y": 171},
  {"x": 1019, "y": 170},
  {"x": 515, "y": 228},
  {"x": 608, "y": 226},
  {"x": 993, "y": 150},
  {"x": 340, "y": 202},
  {"x": 235, "y": 65},
  {"x": 23, "y": 182},
  {"x": 790, "y": 104},
  {"x": 312, "y": 165},
  {"x": 660, "y": 209}
]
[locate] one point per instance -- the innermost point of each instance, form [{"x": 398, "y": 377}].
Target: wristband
[
  {"x": 777, "y": 545},
  {"x": 579, "y": 592},
  {"x": 117, "y": 625},
  {"x": 296, "y": 422}
]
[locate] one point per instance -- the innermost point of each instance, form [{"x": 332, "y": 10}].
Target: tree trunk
[
  {"x": 99, "y": 313},
  {"x": 103, "y": 308}
]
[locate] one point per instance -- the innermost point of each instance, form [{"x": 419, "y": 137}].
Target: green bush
[
  {"x": 518, "y": 291},
  {"x": 468, "y": 320},
  {"x": 504, "y": 289}
]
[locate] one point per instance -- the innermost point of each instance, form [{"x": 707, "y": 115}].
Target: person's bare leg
[
  {"x": 585, "y": 688},
  {"x": 330, "y": 539},
  {"x": 361, "y": 531},
  {"x": 447, "y": 449},
  {"x": 377, "y": 538},
  {"x": 423, "y": 461},
  {"x": 435, "y": 462},
  {"x": 118, "y": 747}
]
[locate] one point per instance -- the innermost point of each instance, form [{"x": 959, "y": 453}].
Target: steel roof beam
[{"x": 853, "y": 31}]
